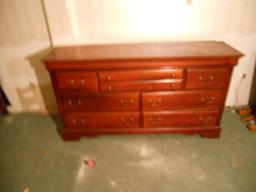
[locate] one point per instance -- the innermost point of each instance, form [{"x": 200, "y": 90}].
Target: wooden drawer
[
  {"x": 181, "y": 100},
  {"x": 206, "y": 78},
  {"x": 103, "y": 120},
  {"x": 179, "y": 119},
  {"x": 107, "y": 101},
  {"x": 149, "y": 74},
  {"x": 77, "y": 81},
  {"x": 153, "y": 85}
]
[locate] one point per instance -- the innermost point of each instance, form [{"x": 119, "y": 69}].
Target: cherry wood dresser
[{"x": 177, "y": 87}]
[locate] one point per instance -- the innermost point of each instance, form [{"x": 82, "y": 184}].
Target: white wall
[{"x": 23, "y": 33}]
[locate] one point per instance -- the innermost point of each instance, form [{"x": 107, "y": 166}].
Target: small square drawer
[
  {"x": 179, "y": 119},
  {"x": 147, "y": 74},
  {"x": 103, "y": 120},
  {"x": 206, "y": 78},
  {"x": 105, "y": 101},
  {"x": 77, "y": 81}
]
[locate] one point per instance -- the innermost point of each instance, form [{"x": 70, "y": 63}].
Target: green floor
[{"x": 35, "y": 159}]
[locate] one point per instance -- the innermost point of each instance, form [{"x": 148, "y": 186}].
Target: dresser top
[{"x": 144, "y": 51}]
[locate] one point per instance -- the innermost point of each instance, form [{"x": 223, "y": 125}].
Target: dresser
[{"x": 139, "y": 88}]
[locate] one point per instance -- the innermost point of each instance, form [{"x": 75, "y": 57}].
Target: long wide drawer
[
  {"x": 179, "y": 119},
  {"x": 77, "y": 81},
  {"x": 206, "y": 78},
  {"x": 147, "y": 74},
  {"x": 105, "y": 101},
  {"x": 148, "y": 85},
  {"x": 103, "y": 120},
  {"x": 181, "y": 100}
]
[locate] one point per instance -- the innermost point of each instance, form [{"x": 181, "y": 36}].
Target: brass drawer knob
[
  {"x": 108, "y": 77},
  {"x": 83, "y": 121},
  {"x": 109, "y": 88},
  {"x": 82, "y": 82},
  {"x": 211, "y": 77},
  {"x": 79, "y": 102},
  {"x": 200, "y": 78},
  {"x": 72, "y": 82},
  {"x": 213, "y": 98},
  {"x": 200, "y": 118},
  {"x": 69, "y": 102},
  {"x": 131, "y": 101},
  {"x": 173, "y": 75},
  {"x": 122, "y": 101},
  {"x": 172, "y": 85}
]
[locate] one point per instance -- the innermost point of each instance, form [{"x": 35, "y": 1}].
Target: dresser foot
[
  {"x": 70, "y": 137},
  {"x": 211, "y": 134}
]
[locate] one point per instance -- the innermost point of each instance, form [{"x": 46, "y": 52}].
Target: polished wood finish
[{"x": 142, "y": 88}]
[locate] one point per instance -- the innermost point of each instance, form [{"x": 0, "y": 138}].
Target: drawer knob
[
  {"x": 73, "y": 121},
  {"x": 172, "y": 85},
  {"x": 211, "y": 77},
  {"x": 200, "y": 78},
  {"x": 79, "y": 102},
  {"x": 109, "y": 88},
  {"x": 200, "y": 118},
  {"x": 213, "y": 98},
  {"x": 173, "y": 75},
  {"x": 69, "y": 102},
  {"x": 72, "y": 81},
  {"x": 132, "y": 120},
  {"x": 83, "y": 121},
  {"x": 82, "y": 82},
  {"x": 131, "y": 101},
  {"x": 122, "y": 101},
  {"x": 108, "y": 77},
  {"x": 123, "y": 119}
]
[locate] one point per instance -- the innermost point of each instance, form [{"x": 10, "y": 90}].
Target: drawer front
[
  {"x": 107, "y": 101},
  {"x": 150, "y": 74},
  {"x": 77, "y": 81},
  {"x": 181, "y": 100},
  {"x": 154, "y": 85},
  {"x": 103, "y": 120},
  {"x": 179, "y": 119},
  {"x": 206, "y": 78}
]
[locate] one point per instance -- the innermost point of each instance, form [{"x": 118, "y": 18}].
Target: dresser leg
[{"x": 211, "y": 133}]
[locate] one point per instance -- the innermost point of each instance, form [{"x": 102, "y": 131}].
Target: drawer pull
[
  {"x": 82, "y": 82},
  {"x": 200, "y": 118},
  {"x": 211, "y": 77},
  {"x": 200, "y": 78},
  {"x": 83, "y": 121},
  {"x": 173, "y": 75},
  {"x": 72, "y": 82},
  {"x": 69, "y": 102},
  {"x": 73, "y": 121},
  {"x": 122, "y": 101},
  {"x": 172, "y": 85},
  {"x": 108, "y": 77},
  {"x": 131, "y": 101},
  {"x": 79, "y": 102},
  {"x": 123, "y": 119},
  {"x": 159, "y": 100},
  {"x": 132, "y": 120},
  {"x": 213, "y": 98},
  {"x": 109, "y": 88}
]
